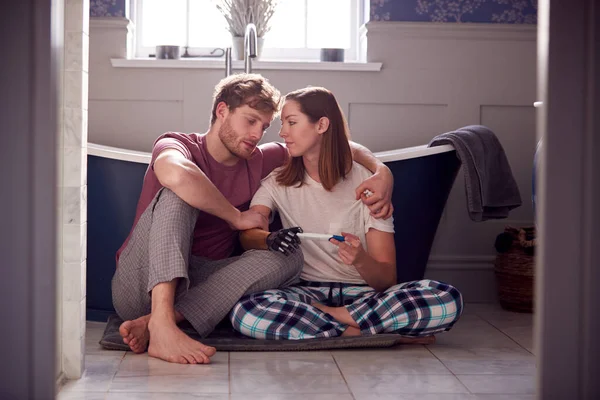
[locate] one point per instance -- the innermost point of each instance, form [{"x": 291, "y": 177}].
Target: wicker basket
[{"x": 514, "y": 268}]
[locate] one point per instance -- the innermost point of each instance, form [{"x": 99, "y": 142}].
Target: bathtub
[{"x": 423, "y": 178}]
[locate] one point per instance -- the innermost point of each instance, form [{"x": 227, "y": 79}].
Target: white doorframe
[
  {"x": 28, "y": 200},
  {"x": 568, "y": 270}
]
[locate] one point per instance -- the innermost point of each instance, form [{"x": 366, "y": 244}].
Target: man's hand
[
  {"x": 380, "y": 186},
  {"x": 284, "y": 240},
  {"x": 248, "y": 220},
  {"x": 351, "y": 251}
]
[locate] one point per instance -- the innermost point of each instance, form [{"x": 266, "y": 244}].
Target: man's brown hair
[
  {"x": 246, "y": 89},
  {"x": 335, "y": 159}
]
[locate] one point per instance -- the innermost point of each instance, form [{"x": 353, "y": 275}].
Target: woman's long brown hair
[{"x": 335, "y": 159}]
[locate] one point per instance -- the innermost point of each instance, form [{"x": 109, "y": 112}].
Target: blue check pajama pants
[{"x": 417, "y": 308}]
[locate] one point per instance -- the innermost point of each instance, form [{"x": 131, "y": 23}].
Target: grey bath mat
[{"x": 224, "y": 338}]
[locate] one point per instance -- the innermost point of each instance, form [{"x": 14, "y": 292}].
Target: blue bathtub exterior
[
  {"x": 421, "y": 189},
  {"x": 114, "y": 187}
]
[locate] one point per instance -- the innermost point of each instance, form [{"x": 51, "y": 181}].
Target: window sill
[{"x": 239, "y": 65}]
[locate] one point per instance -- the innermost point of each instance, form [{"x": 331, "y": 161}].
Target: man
[{"x": 176, "y": 265}]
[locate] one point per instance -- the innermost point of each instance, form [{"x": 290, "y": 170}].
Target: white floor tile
[
  {"x": 403, "y": 350},
  {"x": 472, "y": 330},
  {"x": 287, "y": 355},
  {"x": 95, "y": 326},
  {"x": 470, "y": 319},
  {"x": 501, "y": 384},
  {"x": 523, "y": 335},
  {"x": 491, "y": 367},
  {"x": 505, "y": 319},
  {"x": 99, "y": 372},
  {"x": 216, "y": 383},
  {"x": 93, "y": 383},
  {"x": 291, "y": 396},
  {"x": 275, "y": 384},
  {"x": 102, "y": 364},
  {"x": 480, "y": 353},
  {"x": 486, "y": 351},
  {"x": 390, "y": 364},
  {"x": 63, "y": 395},
  {"x": 481, "y": 308},
  {"x": 92, "y": 347},
  {"x": 144, "y": 365},
  {"x": 419, "y": 396},
  {"x": 379, "y": 384},
  {"x": 505, "y": 397},
  {"x": 283, "y": 366},
  {"x": 165, "y": 396}
]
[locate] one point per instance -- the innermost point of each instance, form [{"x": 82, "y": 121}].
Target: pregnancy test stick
[{"x": 320, "y": 236}]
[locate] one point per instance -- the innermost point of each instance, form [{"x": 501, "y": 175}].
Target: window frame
[{"x": 351, "y": 54}]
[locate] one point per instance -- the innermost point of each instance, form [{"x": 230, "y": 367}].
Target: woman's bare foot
[
  {"x": 135, "y": 334},
  {"x": 340, "y": 314},
  {"x": 351, "y": 331},
  {"x": 169, "y": 343}
]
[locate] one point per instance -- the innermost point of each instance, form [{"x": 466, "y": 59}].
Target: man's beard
[{"x": 229, "y": 138}]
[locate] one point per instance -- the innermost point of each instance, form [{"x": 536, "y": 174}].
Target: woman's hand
[
  {"x": 351, "y": 251},
  {"x": 380, "y": 186}
]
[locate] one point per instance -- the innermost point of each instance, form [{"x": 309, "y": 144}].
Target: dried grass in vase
[{"x": 239, "y": 13}]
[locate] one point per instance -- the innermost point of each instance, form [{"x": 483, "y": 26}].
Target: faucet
[
  {"x": 227, "y": 62},
  {"x": 249, "y": 47}
]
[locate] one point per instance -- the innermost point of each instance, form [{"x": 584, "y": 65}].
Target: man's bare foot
[
  {"x": 135, "y": 333},
  {"x": 169, "y": 343}
]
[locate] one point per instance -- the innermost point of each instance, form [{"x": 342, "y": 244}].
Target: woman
[{"x": 347, "y": 287}]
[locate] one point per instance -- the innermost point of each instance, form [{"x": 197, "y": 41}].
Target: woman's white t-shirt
[{"x": 316, "y": 210}]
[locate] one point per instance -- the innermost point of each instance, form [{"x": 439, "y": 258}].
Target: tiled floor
[{"x": 488, "y": 355}]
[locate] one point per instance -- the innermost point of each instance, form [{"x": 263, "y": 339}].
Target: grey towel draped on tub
[{"x": 489, "y": 183}]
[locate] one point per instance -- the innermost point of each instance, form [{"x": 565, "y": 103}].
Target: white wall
[{"x": 435, "y": 78}]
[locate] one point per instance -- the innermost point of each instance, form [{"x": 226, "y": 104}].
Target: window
[{"x": 299, "y": 28}]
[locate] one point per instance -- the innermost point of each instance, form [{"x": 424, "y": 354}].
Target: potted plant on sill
[{"x": 239, "y": 13}]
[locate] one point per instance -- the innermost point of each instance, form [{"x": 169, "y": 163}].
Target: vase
[{"x": 238, "y": 47}]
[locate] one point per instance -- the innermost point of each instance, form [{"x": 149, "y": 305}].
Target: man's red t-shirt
[{"x": 213, "y": 238}]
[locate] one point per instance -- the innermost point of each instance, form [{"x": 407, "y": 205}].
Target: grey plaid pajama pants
[
  {"x": 159, "y": 250},
  {"x": 415, "y": 308}
]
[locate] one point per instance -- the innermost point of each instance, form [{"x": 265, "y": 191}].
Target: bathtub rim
[
  {"x": 412, "y": 152},
  {"x": 116, "y": 153},
  {"x": 141, "y": 157}
]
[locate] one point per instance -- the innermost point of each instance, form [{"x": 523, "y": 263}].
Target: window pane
[
  {"x": 329, "y": 23},
  {"x": 163, "y": 22},
  {"x": 207, "y": 25},
  {"x": 288, "y": 25}
]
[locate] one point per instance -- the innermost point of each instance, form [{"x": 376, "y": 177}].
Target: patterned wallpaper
[
  {"x": 108, "y": 8},
  {"x": 490, "y": 11},
  {"x": 493, "y": 11}
]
